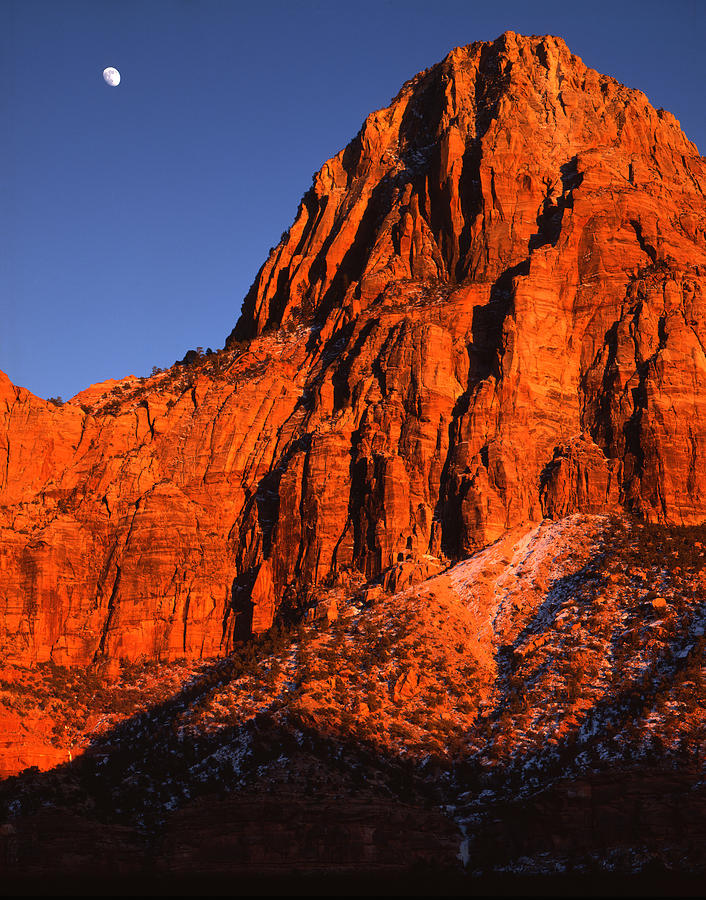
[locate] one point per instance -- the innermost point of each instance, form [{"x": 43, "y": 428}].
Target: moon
[{"x": 111, "y": 76}]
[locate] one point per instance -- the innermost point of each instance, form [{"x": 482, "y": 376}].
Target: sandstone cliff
[{"x": 490, "y": 308}]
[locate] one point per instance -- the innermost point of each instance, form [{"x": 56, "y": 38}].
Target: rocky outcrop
[
  {"x": 489, "y": 308},
  {"x": 580, "y": 476}
]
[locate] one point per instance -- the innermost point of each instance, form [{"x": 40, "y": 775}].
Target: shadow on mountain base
[{"x": 656, "y": 883}]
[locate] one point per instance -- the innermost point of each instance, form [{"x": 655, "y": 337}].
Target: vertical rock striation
[{"x": 489, "y": 308}]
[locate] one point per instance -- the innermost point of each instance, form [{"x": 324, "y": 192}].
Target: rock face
[{"x": 490, "y": 308}]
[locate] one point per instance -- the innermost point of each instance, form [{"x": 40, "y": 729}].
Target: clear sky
[{"x": 135, "y": 218}]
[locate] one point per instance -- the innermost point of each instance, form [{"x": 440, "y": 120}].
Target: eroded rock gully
[{"x": 489, "y": 308}]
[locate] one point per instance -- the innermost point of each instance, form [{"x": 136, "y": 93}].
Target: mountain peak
[{"x": 485, "y": 138}]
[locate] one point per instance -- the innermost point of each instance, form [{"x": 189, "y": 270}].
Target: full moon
[{"x": 111, "y": 76}]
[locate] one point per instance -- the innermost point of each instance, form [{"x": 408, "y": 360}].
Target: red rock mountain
[{"x": 489, "y": 309}]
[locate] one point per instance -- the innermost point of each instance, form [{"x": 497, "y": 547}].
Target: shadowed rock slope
[{"x": 489, "y": 309}]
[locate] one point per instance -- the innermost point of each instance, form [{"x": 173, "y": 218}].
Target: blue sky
[{"x": 136, "y": 218}]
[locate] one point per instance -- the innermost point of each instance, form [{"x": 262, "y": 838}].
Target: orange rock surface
[{"x": 490, "y": 308}]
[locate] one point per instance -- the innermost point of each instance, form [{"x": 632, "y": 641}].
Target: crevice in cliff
[
  {"x": 267, "y": 500},
  {"x": 307, "y": 527},
  {"x": 692, "y": 478},
  {"x": 241, "y": 608},
  {"x": 150, "y": 421},
  {"x": 560, "y": 98},
  {"x": 335, "y": 566},
  {"x": 83, "y": 431},
  {"x": 109, "y": 615},
  {"x": 488, "y": 321},
  {"x": 446, "y": 511},
  {"x": 6, "y": 479},
  {"x": 471, "y": 200},
  {"x": 187, "y": 602},
  {"x": 341, "y": 375},
  {"x": 551, "y": 214},
  {"x": 644, "y": 245},
  {"x": 365, "y": 507},
  {"x": 601, "y": 425},
  {"x": 494, "y": 196}
]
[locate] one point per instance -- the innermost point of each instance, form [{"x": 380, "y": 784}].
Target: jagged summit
[
  {"x": 467, "y": 171},
  {"x": 489, "y": 309}
]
